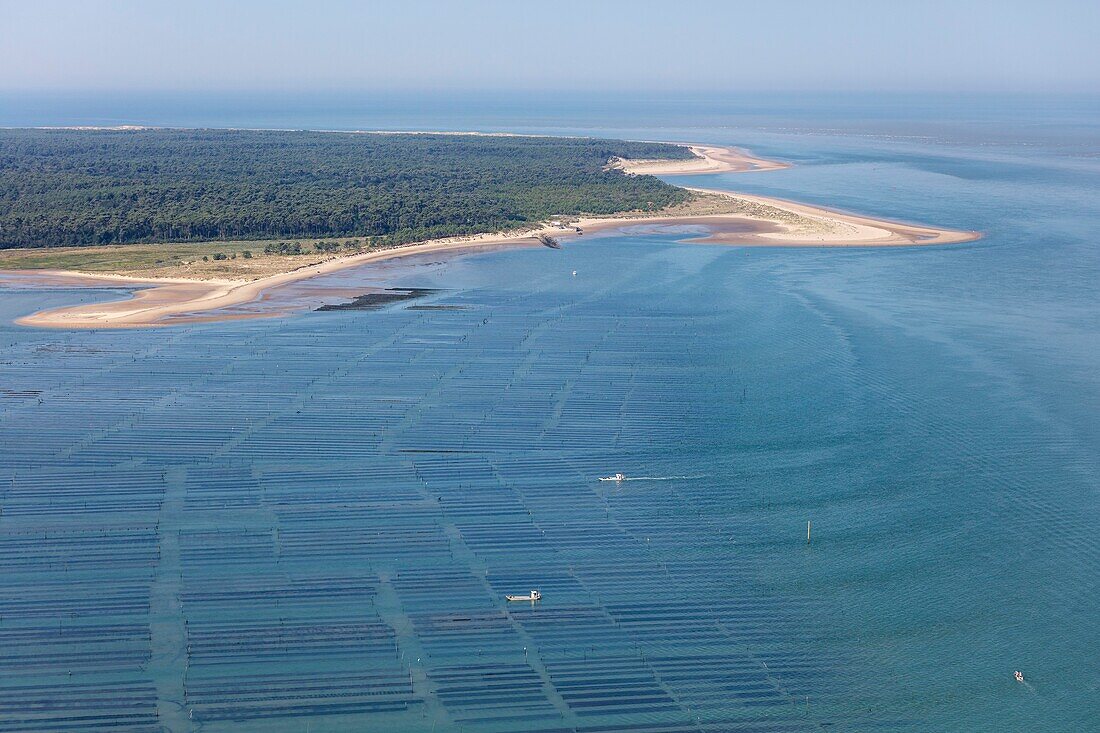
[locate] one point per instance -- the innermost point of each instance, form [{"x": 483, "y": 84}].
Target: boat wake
[
  {"x": 652, "y": 478},
  {"x": 662, "y": 478}
]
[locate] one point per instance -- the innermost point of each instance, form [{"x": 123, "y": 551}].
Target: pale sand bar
[
  {"x": 737, "y": 219},
  {"x": 709, "y": 159}
]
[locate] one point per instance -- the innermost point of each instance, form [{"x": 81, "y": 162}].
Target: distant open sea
[{"x": 309, "y": 523}]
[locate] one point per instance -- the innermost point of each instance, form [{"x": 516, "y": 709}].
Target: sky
[{"x": 554, "y": 45}]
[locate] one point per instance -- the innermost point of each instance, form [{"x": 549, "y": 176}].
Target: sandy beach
[
  {"x": 771, "y": 222},
  {"x": 155, "y": 300},
  {"x": 719, "y": 217},
  {"x": 709, "y": 159}
]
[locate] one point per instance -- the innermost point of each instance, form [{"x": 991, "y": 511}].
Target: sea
[{"x": 862, "y": 484}]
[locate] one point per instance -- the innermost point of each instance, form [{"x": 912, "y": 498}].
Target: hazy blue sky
[{"x": 553, "y": 44}]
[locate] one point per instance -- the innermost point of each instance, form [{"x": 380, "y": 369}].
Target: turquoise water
[{"x": 310, "y": 522}]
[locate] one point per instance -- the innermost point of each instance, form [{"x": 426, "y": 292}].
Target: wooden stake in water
[{"x": 807, "y": 532}]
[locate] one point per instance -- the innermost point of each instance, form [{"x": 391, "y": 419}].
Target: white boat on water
[
  {"x": 616, "y": 477},
  {"x": 534, "y": 596}
]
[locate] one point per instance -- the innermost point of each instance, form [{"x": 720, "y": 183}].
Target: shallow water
[{"x": 310, "y": 522}]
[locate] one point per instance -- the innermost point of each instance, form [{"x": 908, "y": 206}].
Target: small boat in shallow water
[
  {"x": 534, "y": 596},
  {"x": 616, "y": 477}
]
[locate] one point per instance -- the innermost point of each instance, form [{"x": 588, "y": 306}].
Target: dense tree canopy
[{"x": 82, "y": 187}]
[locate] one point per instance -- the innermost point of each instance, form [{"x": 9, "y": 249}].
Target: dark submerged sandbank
[{"x": 376, "y": 300}]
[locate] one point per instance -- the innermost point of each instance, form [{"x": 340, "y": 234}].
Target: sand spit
[
  {"x": 719, "y": 217},
  {"x": 708, "y": 159}
]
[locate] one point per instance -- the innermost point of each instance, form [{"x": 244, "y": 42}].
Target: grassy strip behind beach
[{"x": 240, "y": 260}]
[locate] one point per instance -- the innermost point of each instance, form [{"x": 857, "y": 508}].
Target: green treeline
[{"x": 84, "y": 187}]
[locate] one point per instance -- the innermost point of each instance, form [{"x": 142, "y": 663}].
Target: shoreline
[
  {"x": 782, "y": 223},
  {"x": 709, "y": 159},
  {"x": 752, "y": 221},
  {"x": 168, "y": 297}
]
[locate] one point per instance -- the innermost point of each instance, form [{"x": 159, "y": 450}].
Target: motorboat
[{"x": 616, "y": 477}]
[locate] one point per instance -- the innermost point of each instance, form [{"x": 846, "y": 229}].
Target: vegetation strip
[{"x": 96, "y": 187}]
